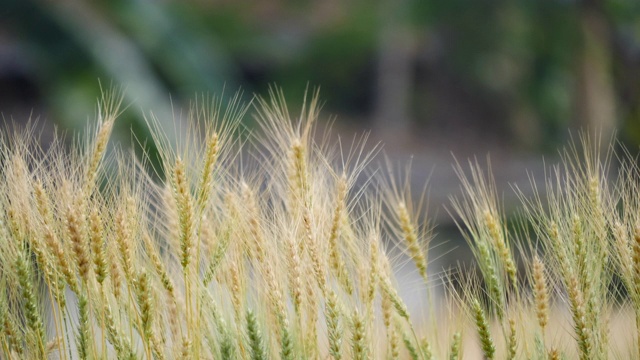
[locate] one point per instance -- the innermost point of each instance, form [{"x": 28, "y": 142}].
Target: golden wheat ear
[
  {"x": 109, "y": 109},
  {"x": 481, "y": 221}
]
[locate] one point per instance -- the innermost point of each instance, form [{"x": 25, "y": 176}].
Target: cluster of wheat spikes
[{"x": 284, "y": 257}]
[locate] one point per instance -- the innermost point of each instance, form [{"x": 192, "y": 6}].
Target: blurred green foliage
[{"x": 502, "y": 61}]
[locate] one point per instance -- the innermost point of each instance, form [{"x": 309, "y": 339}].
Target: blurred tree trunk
[
  {"x": 626, "y": 65},
  {"x": 394, "y": 80},
  {"x": 595, "y": 106}
]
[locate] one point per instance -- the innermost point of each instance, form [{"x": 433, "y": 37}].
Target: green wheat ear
[
  {"x": 35, "y": 335},
  {"x": 334, "y": 326},
  {"x": 254, "y": 335},
  {"x": 454, "y": 352},
  {"x": 482, "y": 327},
  {"x": 83, "y": 336}
]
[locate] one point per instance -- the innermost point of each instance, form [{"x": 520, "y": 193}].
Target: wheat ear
[
  {"x": 579, "y": 318},
  {"x": 110, "y": 106},
  {"x": 51, "y": 239},
  {"x": 554, "y": 354},
  {"x": 482, "y": 326},
  {"x": 145, "y": 304},
  {"x": 36, "y": 335},
  {"x": 11, "y": 340},
  {"x": 84, "y": 340},
  {"x": 185, "y": 212},
  {"x": 256, "y": 343},
  {"x": 97, "y": 246},
  {"x": 411, "y": 348},
  {"x": 358, "y": 337},
  {"x": 410, "y": 236},
  {"x": 512, "y": 343},
  {"x": 124, "y": 239},
  {"x": 454, "y": 351},
  {"x": 540, "y": 293},
  {"x": 335, "y": 255},
  {"x": 495, "y": 230},
  {"x": 76, "y": 235},
  {"x": 334, "y": 326}
]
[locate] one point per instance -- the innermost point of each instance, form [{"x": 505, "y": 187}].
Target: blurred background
[{"x": 428, "y": 78}]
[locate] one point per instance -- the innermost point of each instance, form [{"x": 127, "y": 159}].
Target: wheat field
[{"x": 269, "y": 245}]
